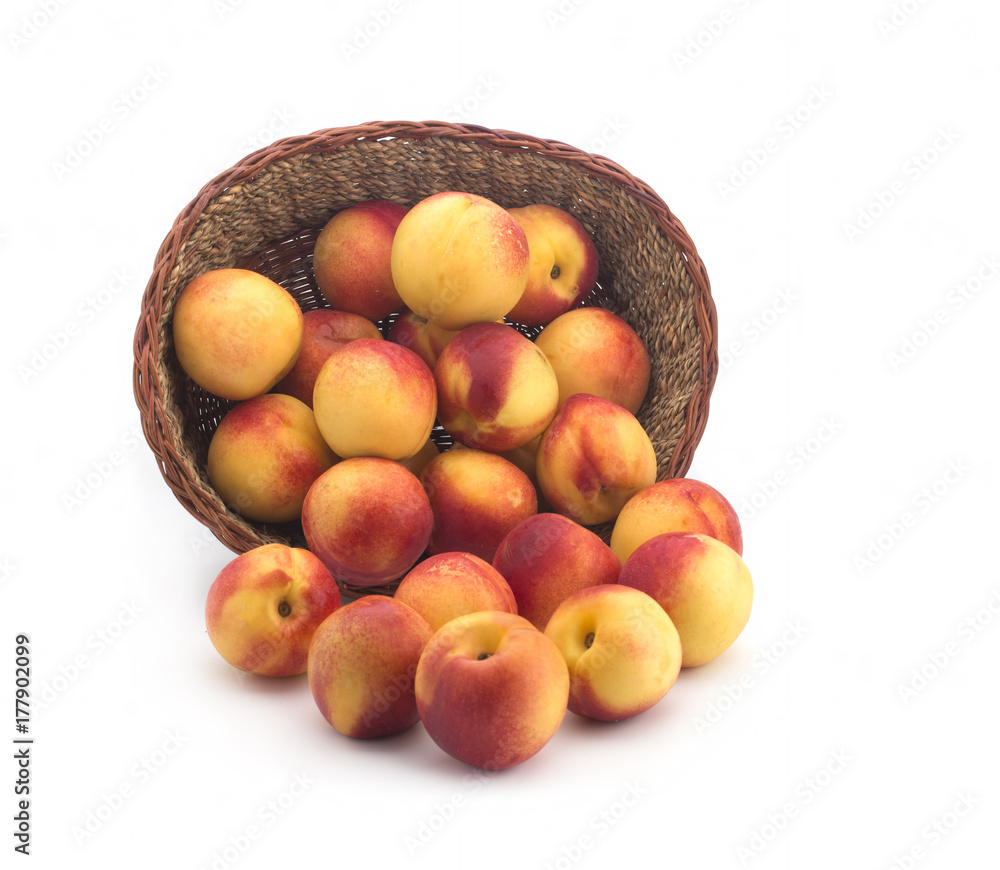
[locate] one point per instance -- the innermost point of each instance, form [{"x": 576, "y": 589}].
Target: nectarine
[
  {"x": 236, "y": 333},
  {"x": 264, "y": 607},
  {"x": 459, "y": 259}
]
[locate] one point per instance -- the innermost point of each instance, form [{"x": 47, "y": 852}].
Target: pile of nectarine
[{"x": 508, "y": 610}]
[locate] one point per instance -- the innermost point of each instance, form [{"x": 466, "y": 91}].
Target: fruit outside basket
[{"x": 266, "y": 211}]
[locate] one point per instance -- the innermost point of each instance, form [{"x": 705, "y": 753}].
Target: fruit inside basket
[{"x": 266, "y": 213}]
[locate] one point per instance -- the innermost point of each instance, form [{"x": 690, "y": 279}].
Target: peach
[
  {"x": 368, "y": 520},
  {"x": 265, "y": 455},
  {"x": 593, "y": 458},
  {"x": 622, "y": 650},
  {"x": 702, "y": 584},
  {"x": 459, "y": 259},
  {"x": 594, "y": 351},
  {"x": 375, "y": 398},
  {"x": 264, "y": 607},
  {"x": 491, "y": 689},
  {"x": 563, "y": 266},
  {"x": 236, "y": 333},
  {"x": 351, "y": 259},
  {"x": 412, "y": 332},
  {"x": 323, "y": 332},
  {"x": 477, "y": 498},
  {"x": 547, "y": 558},
  {"x": 496, "y": 390},
  {"x": 362, "y": 665},
  {"x": 448, "y": 585},
  {"x": 679, "y": 504}
]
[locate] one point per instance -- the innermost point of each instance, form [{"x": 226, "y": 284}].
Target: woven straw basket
[{"x": 266, "y": 211}]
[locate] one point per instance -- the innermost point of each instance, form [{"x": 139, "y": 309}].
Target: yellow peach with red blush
[
  {"x": 264, "y": 607},
  {"x": 703, "y": 584},
  {"x": 323, "y": 332},
  {"x": 264, "y": 456},
  {"x": 458, "y": 259},
  {"x": 351, "y": 259},
  {"x": 496, "y": 390},
  {"x": 678, "y": 504},
  {"x": 368, "y": 520},
  {"x": 236, "y": 333},
  {"x": 375, "y": 398},
  {"x": 621, "y": 648},
  {"x": 491, "y": 689},
  {"x": 592, "y": 350},
  {"x": 547, "y": 558},
  {"x": 477, "y": 498},
  {"x": 563, "y": 267},
  {"x": 447, "y": 585},
  {"x": 362, "y": 665},
  {"x": 593, "y": 458}
]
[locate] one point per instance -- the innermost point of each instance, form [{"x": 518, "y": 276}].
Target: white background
[{"x": 821, "y": 437}]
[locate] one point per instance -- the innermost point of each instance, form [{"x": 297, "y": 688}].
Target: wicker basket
[{"x": 265, "y": 212}]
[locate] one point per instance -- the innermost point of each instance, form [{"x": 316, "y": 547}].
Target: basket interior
[{"x": 268, "y": 223}]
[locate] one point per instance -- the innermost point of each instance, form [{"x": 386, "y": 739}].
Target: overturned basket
[{"x": 265, "y": 213}]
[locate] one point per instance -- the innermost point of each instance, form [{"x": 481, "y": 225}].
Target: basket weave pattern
[{"x": 265, "y": 213}]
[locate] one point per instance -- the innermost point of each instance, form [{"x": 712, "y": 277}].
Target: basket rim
[{"x": 148, "y": 390}]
